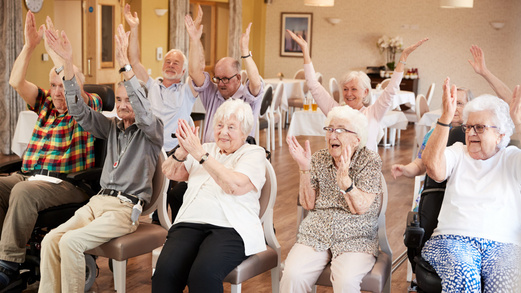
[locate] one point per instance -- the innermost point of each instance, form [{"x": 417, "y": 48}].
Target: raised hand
[
  {"x": 300, "y": 155},
  {"x": 188, "y": 138},
  {"x": 33, "y": 36},
  {"x": 449, "y": 101},
  {"x": 121, "y": 38},
  {"x": 479, "y": 60},
  {"x": 132, "y": 20},
  {"x": 342, "y": 176},
  {"x": 300, "y": 41},
  {"x": 60, "y": 45},
  {"x": 55, "y": 57},
  {"x": 194, "y": 29},
  {"x": 515, "y": 106},
  {"x": 407, "y": 51},
  {"x": 245, "y": 40}
]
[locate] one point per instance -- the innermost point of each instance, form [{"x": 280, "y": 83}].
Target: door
[{"x": 100, "y": 21}]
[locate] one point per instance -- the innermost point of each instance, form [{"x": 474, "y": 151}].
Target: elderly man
[
  {"x": 170, "y": 97},
  {"x": 133, "y": 147},
  {"x": 58, "y": 146},
  {"x": 227, "y": 79}
]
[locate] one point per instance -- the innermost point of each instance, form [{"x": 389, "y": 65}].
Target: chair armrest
[
  {"x": 11, "y": 166},
  {"x": 90, "y": 174},
  {"x": 413, "y": 233}
]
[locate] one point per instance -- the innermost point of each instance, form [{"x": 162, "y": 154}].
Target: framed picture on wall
[{"x": 300, "y": 24}]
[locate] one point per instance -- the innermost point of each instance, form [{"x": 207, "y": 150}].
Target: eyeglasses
[
  {"x": 478, "y": 128},
  {"x": 225, "y": 80},
  {"x": 338, "y": 130}
]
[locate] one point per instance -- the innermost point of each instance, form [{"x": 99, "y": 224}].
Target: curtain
[
  {"x": 178, "y": 35},
  {"x": 235, "y": 29},
  {"x": 11, "y": 43}
]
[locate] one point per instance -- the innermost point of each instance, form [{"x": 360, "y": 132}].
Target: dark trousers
[{"x": 199, "y": 256}]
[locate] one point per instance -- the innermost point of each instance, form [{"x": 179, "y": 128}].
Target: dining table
[
  {"x": 292, "y": 88},
  {"x": 405, "y": 98},
  {"x": 311, "y": 123},
  {"x": 425, "y": 124}
]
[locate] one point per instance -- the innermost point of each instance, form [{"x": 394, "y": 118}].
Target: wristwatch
[
  {"x": 249, "y": 55},
  {"x": 58, "y": 70},
  {"x": 125, "y": 68},
  {"x": 204, "y": 158}
]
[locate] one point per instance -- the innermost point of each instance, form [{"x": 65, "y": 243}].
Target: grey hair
[
  {"x": 468, "y": 92},
  {"x": 355, "y": 118},
  {"x": 363, "y": 81},
  {"x": 238, "y": 108},
  {"x": 185, "y": 61},
  {"x": 500, "y": 115}
]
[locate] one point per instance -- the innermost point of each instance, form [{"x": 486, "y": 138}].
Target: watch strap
[
  {"x": 58, "y": 70},
  {"x": 204, "y": 158},
  {"x": 125, "y": 68}
]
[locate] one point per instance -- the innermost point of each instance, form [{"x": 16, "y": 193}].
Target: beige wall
[{"x": 351, "y": 44}]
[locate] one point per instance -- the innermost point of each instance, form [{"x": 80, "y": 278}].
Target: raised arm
[
  {"x": 27, "y": 90},
  {"x": 133, "y": 48},
  {"x": 196, "y": 59},
  {"x": 433, "y": 156},
  {"x": 405, "y": 54},
  {"x": 515, "y": 114},
  {"x": 251, "y": 67},
  {"x": 307, "y": 194},
  {"x": 479, "y": 66}
]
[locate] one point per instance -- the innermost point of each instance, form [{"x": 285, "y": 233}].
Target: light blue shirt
[{"x": 170, "y": 104}]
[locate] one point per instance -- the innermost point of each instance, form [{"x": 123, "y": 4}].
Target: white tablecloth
[
  {"x": 311, "y": 123},
  {"x": 402, "y": 98},
  {"x": 424, "y": 125},
  {"x": 292, "y": 88}
]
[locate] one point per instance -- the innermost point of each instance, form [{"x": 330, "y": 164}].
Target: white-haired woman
[
  {"x": 218, "y": 225},
  {"x": 341, "y": 187},
  {"x": 356, "y": 86},
  {"x": 478, "y": 238}
]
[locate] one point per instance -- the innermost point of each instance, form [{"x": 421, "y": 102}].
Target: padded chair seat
[
  {"x": 252, "y": 266},
  {"x": 374, "y": 281},
  {"x": 296, "y": 102},
  {"x": 146, "y": 238}
]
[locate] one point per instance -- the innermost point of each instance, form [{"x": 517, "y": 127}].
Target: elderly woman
[
  {"x": 218, "y": 225},
  {"x": 477, "y": 241},
  {"x": 341, "y": 187},
  {"x": 356, "y": 87},
  {"x": 417, "y": 167}
]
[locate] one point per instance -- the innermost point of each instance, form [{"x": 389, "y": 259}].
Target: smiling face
[
  {"x": 228, "y": 135},
  {"x": 354, "y": 94},
  {"x": 57, "y": 92},
  {"x": 458, "y": 114},
  {"x": 225, "y": 68},
  {"x": 123, "y": 106},
  {"x": 482, "y": 146},
  {"x": 173, "y": 67},
  {"x": 338, "y": 142}
]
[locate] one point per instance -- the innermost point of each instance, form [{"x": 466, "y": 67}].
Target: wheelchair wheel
[{"x": 91, "y": 271}]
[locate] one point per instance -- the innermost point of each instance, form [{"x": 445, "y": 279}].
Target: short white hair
[
  {"x": 363, "y": 81},
  {"x": 354, "y": 118},
  {"x": 240, "y": 110},
  {"x": 500, "y": 115},
  {"x": 185, "y": 61}
]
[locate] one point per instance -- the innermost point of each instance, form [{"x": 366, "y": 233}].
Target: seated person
[
  {"x": 477, "y": 243},
  {"x": 356, "y": 87},
  {"x": 133, "y": 147},
  {"x": 58, "y": 146},
  {"x": 218, "y": 225},
  {"x": 416, "y": 167},
  {"x": 341, "y": 187}
]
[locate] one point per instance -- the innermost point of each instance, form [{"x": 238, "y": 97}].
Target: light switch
[
  {"x": 149, "y": 71},
  {"x": 159, "y": 53},
  {"x": 45, "y": 57}
]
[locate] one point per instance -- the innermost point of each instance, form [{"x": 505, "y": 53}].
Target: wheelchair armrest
[
  {"x": 413, "y": 235},
  {"x": 90, "y": 174},
  {"x": 11, "y": 166}
]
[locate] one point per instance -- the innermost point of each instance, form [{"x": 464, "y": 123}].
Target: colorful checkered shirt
[{"x": 58, "y": 143}]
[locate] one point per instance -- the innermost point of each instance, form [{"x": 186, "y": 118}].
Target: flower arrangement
[{"x": 391, "y": 46}]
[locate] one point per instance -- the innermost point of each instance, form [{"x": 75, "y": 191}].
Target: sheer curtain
[
  {"x": 235, "y": 29},
  {"x": 178, "y": 35},
  {"x": 11, "y": 42}
]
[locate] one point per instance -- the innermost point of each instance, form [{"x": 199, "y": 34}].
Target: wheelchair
[
  {"x": 88, "y": 180},
  {"x": 421, "y": 224}
]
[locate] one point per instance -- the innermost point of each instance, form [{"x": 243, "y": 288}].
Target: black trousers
[{"x": 199, "y": 256}]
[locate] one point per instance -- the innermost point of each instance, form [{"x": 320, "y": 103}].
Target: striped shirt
[{"x": 58, "y": 143}]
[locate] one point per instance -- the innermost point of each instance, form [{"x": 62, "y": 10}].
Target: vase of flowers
[{"x": 390, "y": 46}]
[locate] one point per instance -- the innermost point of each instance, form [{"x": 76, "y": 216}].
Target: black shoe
[{"x": 16, "y": 283}]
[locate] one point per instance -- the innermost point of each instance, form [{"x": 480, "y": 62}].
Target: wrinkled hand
[
  {"x": 479, "y": 60},
  {"x": 195, "y": 29},
  {"x": 397, "y": 170},
  {"x": 301, "y": 156},
  {"x": 410, "y": 49},
  {"x": 515, "y": 106},
  {"x": 132, "y": 20},
  {"x": 121, "y": 38},
  {"x": 245, "y": 40},
  {"x": 449, "y": 101},
  {"x": 342, "y": 176},
  {"x": 32, "y": 35},
  {"x": 61, "y": 46},
  {"x": 300, "y": 41},
  {"x": 188, "y": 138}
]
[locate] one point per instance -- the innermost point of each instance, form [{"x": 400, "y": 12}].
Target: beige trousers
[
  {"x": 304, "y": 265},
  {"x": 62, "y": 256}
]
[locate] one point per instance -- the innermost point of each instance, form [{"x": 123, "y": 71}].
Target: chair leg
[
  {"x": 314, "y": 289},
  {"x": 280, "y": 130},
  {"x": 275, "y": 279},
  {"x": 236, "y": 288},
  {"x": 120, "y": 275}
]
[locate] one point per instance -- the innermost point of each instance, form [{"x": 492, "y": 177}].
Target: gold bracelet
[{"x": 304, "y": 171}]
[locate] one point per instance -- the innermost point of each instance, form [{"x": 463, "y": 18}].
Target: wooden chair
[
  {"x": 265, "y": 116},
  {"x": 277, "y": 114},
  {"x": 421, "y": 108},
  {"x": 430, "y": 93},
  {"x": 334, "y": 89},
  {"x": 384, "y": 83},
  {"x": 298, "y": 101},
  {"x": 319, "y": 77}
]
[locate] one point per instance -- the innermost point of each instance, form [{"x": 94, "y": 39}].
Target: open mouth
[{"x": 335, "y": 145}]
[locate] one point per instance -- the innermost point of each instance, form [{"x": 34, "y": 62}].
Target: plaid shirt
[{"x": 58, "y": 143}]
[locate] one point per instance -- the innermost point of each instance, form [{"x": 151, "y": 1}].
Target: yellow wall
[
  {"x": 254, "y": 11},
  {"x": 38, "y": 71}
]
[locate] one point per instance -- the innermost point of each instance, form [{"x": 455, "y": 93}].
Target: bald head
[{"x": 228, "y": 68}]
